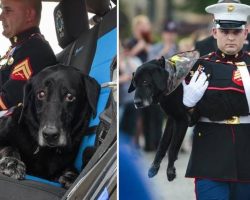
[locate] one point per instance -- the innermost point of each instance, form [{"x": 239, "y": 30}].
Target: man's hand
[{"x": 193, "y": 92}]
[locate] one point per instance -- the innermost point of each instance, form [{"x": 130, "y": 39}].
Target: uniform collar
[
  {"x": 24, "y": 35},
  {"x": 225, "y": 57}
]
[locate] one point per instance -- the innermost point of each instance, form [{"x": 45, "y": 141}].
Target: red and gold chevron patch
[
  {"x": 237, "y": 78},
  {"x": 22, "y": 71}
]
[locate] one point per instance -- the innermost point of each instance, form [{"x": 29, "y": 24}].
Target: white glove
[{"x": 193, "y": 92}]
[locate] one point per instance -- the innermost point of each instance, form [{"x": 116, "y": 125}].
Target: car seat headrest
[
  {"x": 98, "y": 7},
  {"x": 71, "y": 19}
]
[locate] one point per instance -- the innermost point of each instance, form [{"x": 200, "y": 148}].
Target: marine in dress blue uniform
[
  {"x": 29, "y": 53},
  {"x": 220, "y": 157}
]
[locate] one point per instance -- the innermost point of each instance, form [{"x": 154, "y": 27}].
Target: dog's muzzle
[
  {"x": 141, "y": 103},
  {"x": 51, "y": 136}
]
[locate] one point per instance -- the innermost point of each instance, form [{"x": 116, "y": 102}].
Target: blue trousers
[{"x": 218, "y": 190}]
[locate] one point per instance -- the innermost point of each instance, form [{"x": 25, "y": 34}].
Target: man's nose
[{"x": 231, "y": 36}]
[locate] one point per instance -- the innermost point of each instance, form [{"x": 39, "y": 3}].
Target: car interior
[{"x": 92, "y": 51}]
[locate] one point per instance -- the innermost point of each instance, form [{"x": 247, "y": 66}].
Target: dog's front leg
[
  {"x": 11, "y": 164},
  {"x": 68, "y": 177}
]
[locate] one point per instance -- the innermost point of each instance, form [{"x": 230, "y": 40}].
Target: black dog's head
[
  {"x": 148, "y": 81},
  {"x": 57, "y": 103},
  {"x": 160, "y": 77}
]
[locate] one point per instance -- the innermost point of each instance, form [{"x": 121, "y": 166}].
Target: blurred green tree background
[{"x": 198, "y": 6}]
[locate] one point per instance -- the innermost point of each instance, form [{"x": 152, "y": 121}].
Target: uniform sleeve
[
  {"x": 12, "y": 90},
  {"x": 31, "y": 58}
]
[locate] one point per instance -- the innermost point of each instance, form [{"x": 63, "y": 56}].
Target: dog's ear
[
  {"x": 160, "y": 78},
  {"x": 158, "y": 62},
  {"x": 162, "y": 62},
  {"x": 92, "y": 88},
  {"x": 132, "y": 87},
  {"x": 26, "y": 97}
]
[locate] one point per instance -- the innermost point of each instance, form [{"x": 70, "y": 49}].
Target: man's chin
[{"x": 231, "y": 51}]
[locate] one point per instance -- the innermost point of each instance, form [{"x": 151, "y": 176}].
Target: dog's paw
[
  {"x": 153, "y": 170},
  {"x": 171, "y": 174},
  {"x": 67, "y": 178},
  {"x": 12, "y": 167}
]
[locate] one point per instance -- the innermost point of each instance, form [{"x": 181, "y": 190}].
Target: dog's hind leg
[
  {"x": 179, "y": 133},
  {"x": 11, "y": 164},
  {"x": 162, "y": 148}
]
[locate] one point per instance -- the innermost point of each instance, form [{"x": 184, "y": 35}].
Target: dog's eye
[
  {"x": 145, "y": 83},
  {"x": 69, "y": 97},
  {"x": 41, "y": 95}
]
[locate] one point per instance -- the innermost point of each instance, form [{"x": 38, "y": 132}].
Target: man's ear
[
  {"x": 214, "y": 32},
  {"x": 246, "y": 33},
  {"x": 30, "y": 15},
  {"x": 162, "y": 62}
]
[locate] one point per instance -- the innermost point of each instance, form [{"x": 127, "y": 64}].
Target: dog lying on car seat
[
  {"x": 155, "y": 82},
  {"x": 42, "y": 136}
]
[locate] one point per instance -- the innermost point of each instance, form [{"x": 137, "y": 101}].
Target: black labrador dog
[
  {"x": 156, "y": 82},
  {"x": 42, "y": 136}
]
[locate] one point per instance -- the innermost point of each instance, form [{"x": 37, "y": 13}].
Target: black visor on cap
[{"x": 226, "y": 24}]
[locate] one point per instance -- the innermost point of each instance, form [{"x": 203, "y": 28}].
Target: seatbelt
[
  {"x": 106, "y": 115},
  {"x": 242, "y": 67},
  {"x": 76, "y": 189},
  {"x": 105, "y": 139},
  {"x": 70, "y": 53}
]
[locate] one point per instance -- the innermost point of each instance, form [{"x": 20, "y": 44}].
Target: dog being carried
[{"x": 155, "y": 82}]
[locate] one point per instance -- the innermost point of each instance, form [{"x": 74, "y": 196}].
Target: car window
[{"x": 47, "y": 27}]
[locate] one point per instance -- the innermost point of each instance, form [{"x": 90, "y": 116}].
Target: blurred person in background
[
  {"x": 141, "y": 40},
  {"x": 209, "y": 44},
  {"x": 168, "y": 46},
  {"x": 153, "y": 116},
  {"x": 149, "y": 120},
  {"x": 186, "y": 44},
  {"x": 128, "y": 114}
]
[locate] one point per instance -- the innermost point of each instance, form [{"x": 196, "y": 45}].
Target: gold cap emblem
[{"x": 230, "y": 8}]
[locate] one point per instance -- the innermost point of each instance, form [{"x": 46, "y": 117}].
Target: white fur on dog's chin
[
  {"x": 62, "y": 139},
  {"x": 145, "y": 103}
]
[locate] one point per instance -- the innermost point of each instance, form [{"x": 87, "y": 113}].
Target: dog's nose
[{"x": 50, "y": 133}]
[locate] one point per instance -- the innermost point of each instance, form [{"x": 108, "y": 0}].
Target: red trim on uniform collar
[{"x": 224, "y": 57}]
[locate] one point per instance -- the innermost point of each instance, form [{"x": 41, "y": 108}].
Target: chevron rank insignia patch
[{"x": 22, "y": 71}]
